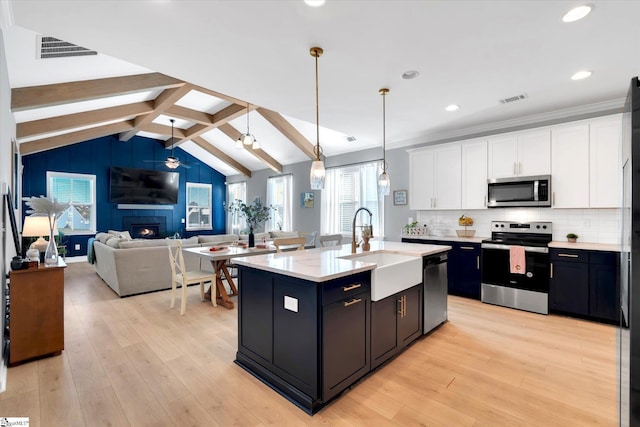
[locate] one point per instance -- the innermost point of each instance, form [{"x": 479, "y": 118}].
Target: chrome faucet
[{"x": 354, "y": 245}]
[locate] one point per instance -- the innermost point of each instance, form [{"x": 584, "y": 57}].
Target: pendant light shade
[
  {"x": 384, "y": 183},
  {"x": 318, "y": 173},
  {"x": 246, "y": 138}
]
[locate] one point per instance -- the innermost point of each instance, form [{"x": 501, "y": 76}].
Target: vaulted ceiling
[{"x": 201, "y": 62}]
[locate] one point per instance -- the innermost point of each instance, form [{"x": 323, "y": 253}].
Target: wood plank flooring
[{"x": 134, "y": 361}]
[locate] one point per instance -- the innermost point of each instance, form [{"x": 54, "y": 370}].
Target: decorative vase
[
  {"x": 252, "y": 238},
  {"x": 366, "y": 246},
  {"x": 572, "y": 239},
  {"x": 51, "y": 253}
]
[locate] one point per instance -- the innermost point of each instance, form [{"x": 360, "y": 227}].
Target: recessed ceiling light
[
  {"x": 452, "y": 107},
  {"x": 581, "y": 75},
  {"x": 314, "y": 3},
  {"x": 577, "y": 13},
  {"x": 408, "y": 75}
]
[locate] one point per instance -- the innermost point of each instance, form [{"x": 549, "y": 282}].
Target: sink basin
[{"x": 394, "y": 272}]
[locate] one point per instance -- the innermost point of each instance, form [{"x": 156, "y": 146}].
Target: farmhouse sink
[{"x": 394, "y": 272}]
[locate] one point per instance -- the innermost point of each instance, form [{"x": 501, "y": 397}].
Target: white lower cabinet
[{"x": 435, "y": 178}]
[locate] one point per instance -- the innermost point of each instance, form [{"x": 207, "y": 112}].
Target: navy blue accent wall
[{"x": 97, "y": 156}]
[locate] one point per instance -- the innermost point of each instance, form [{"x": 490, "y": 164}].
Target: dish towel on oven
[{"x": 517, "y": 260}]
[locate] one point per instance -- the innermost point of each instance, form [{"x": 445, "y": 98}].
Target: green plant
[
  {"x": 410, "y": 226},
  {"x": 255, "y": 213},
  {"x": 572, "y": 236}
]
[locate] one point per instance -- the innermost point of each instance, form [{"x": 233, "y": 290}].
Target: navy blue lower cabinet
[
  {"x": 396, "y": 321},
  {"x": 585, "y": 283},
  {"x": 309, "y": 341}
]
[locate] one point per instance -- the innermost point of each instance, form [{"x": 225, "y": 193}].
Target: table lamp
[{"x": 37, "y": 226}]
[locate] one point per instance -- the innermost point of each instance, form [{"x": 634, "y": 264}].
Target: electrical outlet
[
  {"x": 182, "y": 220},
  {"x": 77, "y": 247}
]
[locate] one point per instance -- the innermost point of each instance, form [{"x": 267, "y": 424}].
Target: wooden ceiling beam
[
  {"x": 219, "y": 95},
  {"x": 162, "y": 103},
  {"x": 24, "y": 98},
  {"x": 222, "y": 156},
  {"x": 287, "y": 129},
  {"x": 163, "y": 130},
  {"x": 222, "y": 117},
  {"x": 87, "y": 118},
  {"x": 190, "y": 115},
  {"x": 73, "y": 137},
  {"x": 234, "y": 134}
]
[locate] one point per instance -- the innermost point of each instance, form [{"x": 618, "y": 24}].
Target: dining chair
[
  {"x": 310, "y": 236},
  {"x": 179, "y": 275},
  {"x": 289, "y": 241},
  {"x": 330, "y": 240}
]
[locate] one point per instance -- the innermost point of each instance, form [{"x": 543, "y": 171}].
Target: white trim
[{"x": 147, "y": 207}]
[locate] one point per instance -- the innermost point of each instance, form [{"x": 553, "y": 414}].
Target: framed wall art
[
  {"x": 306, "y": 200},
  {"x": 400, "y": 197}
]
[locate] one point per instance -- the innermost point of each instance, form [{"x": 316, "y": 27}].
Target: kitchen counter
[
  {"x": 585, "y": 246},
  {"x": 323, "y": 264},
  {"x": 474, "y": 239}
]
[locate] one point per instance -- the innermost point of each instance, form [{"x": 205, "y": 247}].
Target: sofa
[{"x": 136, "y": 266}]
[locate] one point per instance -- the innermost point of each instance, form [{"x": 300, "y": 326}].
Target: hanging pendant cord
[
  {"x": 384, "y": 132},
  {"x": 317, "y": 115},
  {"x": 172, "y": 120}
]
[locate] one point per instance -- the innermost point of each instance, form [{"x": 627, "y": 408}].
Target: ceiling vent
[
  {"x": 513, "y": 98},
  {"x": 350, "y": 138},
  {"x": 51, "y": 47}
]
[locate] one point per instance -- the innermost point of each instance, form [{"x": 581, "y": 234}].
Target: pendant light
[
  {"x": 317, "y": 174},
  {"x": 384, "y": 183},
  {"x": 246, "y": 139},
  {"x": 172, "y": 162}
]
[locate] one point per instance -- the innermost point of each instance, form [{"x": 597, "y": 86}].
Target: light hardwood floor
[{"x": 134, "y": 361}]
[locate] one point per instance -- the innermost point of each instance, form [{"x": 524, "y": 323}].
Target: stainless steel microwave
[{"x": 520, "y": 191}]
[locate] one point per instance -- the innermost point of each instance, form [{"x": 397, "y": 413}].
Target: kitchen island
[{"x": 310, "y": 322}]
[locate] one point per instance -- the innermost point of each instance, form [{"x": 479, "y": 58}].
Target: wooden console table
[{"x": 36, "y": 318}]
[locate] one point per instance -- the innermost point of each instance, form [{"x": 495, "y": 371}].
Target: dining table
[{"x": 219, "y": 255}]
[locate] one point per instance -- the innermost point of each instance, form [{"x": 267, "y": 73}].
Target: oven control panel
[{"x": 539, "y": 227}]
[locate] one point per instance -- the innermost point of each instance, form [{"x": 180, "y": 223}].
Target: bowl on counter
[{"x": 466, "y": 233}]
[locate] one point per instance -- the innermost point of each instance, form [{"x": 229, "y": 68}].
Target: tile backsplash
[{"x": 592, "y": 225}]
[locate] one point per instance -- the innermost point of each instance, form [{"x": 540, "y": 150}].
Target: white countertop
[
  {"x": 323, "y": 264},
  {"x": 448, "y": 238},
  {"x": 585, "y": 246}
]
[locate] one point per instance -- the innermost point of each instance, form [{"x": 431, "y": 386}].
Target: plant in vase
[
  {"x": 366, "y": 236},
  {"x": 53, "y": 210},
  {"x": 572, "y": 237},
  {"x": 255, "y": 214}
]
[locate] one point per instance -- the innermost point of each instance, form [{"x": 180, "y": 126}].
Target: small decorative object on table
[
  {"x": 366, "y": 236},
  {"x": 465, "y": 221},
  {"x": 572, "y": 237},
  {"x": 53, "y": 210},
  {"x": 413, "y": 229},
  {"x": 255, "y": 214}
]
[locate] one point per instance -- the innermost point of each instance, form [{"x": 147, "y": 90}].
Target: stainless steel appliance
[
  {"x": 528, "y": 291},
  {"x": 520, "y": 191},
  {"x": 435, "y": 291}
]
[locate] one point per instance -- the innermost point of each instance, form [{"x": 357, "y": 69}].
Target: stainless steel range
[{"x": 524, "y": 286}]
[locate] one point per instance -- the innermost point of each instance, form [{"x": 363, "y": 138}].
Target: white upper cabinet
[
  {"x": 474, "y": 174},
  {"x": 519, "y": 154},
  {"x": 570, "y": 165},
  {"x": 435, "y": 178},
  {"x": 605, "y": 158}
]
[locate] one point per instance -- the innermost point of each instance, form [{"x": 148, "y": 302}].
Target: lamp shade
[
  {"x": 36, "y": 226},
  {"x": 317, "y": 175},
  {"x": 384, "y": 184}
]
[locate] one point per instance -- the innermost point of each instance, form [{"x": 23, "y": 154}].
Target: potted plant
[
  {"x": 255, "y": 214},
  {"x": 572, "y": 237}
]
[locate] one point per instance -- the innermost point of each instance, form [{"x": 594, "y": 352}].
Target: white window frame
[
  {"x": 202, "y": 209},
  {"x": 235, "y": 221},
  {"x": 279, "y": 195},
  {"x": 365, "y": 194},
  {"x": 51, "y": 175}
]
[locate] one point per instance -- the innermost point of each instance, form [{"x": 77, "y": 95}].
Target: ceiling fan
[{"x": 172, "y": 162}]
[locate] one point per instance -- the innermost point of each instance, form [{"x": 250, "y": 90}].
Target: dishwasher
[{"x": 435, "y": 284}]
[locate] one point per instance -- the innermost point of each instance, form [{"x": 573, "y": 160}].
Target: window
[
  {"x": 235, "y": 221},
  {"x": 198, "y": 206},
  {"x": 80, "y": 191},
  {"x": 348, "y": 188},
  {"x": 279, "y": 196}
]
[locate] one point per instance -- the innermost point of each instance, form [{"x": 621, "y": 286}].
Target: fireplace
[{"x": 145, "y": 227}]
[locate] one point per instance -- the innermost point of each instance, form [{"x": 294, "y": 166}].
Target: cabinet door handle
[
  {"x": 353, "y": 301},
  {"x": 400, "y": 306},
  {"x": 352, "y": 287},
  {"x": 467, "y": 248},
  {"x": 478, "y": 262},
  {"x": 553, "y": 198},
  {"x": 485, "y": 201},
  {"x": 551, "y": 271},
  {"x": 515, "y": 172},
  {"x": 519, "y": 168},
  {"x": 568, "y": 255}
]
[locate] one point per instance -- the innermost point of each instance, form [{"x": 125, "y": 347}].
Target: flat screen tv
[{"x": 143, "y": 186}]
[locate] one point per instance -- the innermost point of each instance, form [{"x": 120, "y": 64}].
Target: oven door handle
[{"x": 507, "y": 247}]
